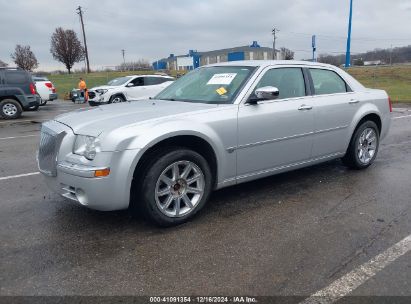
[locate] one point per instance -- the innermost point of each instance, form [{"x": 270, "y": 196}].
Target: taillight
[
  {"x": 53, "y": 90},
  {"x": 390, "y": 103},
  {"x": 48, "y": 84},
  {"x": 32, "y": 88}
]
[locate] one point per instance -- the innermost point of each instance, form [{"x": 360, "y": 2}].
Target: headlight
[
  {"x": 101, "y": 91},
  {"x": 87, "y": 146}
]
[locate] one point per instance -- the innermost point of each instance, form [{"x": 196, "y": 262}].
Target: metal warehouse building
[{"x": 194, "y": 59}]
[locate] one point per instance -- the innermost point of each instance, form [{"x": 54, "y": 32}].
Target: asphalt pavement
[{"x": 292, "y": 234}]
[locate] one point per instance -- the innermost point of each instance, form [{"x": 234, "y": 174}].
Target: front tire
[
  {"x": 116, "y": 99},
  {"x": 176, "y": 185},
  {"x": 363, "y": 147},
  {"x": 10, "y": 109}
]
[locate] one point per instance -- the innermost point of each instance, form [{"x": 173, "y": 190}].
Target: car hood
[{"x": 94, "y": 121}]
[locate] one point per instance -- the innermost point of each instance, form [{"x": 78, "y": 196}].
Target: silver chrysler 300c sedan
[{"x": 217, "y": 126}]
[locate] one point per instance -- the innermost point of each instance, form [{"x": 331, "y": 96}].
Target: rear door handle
[
  {"x": 353, "y": 101},
  {"x": 305, "y": 107}
]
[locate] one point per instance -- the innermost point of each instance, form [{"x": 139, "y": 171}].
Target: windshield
[
  {"x": 216, "y": 84},
  {"x": 118, "y": 81}
]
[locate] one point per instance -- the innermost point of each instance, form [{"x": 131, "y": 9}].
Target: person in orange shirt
[{"x": 83, "y": 89}]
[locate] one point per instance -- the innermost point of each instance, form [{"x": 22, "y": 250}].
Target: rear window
[{"x": 16, "y": 77}]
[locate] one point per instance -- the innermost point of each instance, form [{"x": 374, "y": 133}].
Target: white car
[
  {"x": 127, "y": 88},
  {"x": 45, "y": 89}
]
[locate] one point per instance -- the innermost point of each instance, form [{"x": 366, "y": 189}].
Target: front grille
[
  {"x": 91, "y": 94},
  {"x": 48, "y": 150}
]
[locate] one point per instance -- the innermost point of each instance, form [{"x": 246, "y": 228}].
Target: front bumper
[
  {"x": 96, "y": 99},
  {"x": 74, "y": 177},
  {"x": 76, "y": 181}
]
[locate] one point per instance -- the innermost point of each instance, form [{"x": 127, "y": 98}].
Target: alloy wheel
[
  {"x": 179, "y": 188},
  {"x": 367, "y": 145}
]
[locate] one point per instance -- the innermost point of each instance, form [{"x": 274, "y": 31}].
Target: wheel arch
[
  {"x": 371, "y": 115},
  {"x": 11, "y": 97},
  {"x": 118, "y": 94},
  {"x": 189, "y": 141}
]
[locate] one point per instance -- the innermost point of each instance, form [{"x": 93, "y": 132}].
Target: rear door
[
  {"x": 154, "y": 85},
  {"x": 334, "y": 107},
  {"x": 1, "y": 78}
]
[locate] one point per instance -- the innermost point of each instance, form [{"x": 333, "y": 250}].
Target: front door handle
[
  {"x": 353, "y": 101},
  {"x": 305, "y": 107}
]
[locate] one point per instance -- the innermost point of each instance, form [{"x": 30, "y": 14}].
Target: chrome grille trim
[{"x": 50, "y": 141}]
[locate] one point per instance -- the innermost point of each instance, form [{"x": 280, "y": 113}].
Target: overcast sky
[{"x": 152, "y": 29}]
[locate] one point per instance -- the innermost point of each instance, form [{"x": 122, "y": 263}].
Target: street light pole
[{"x": 347, "y": 54}]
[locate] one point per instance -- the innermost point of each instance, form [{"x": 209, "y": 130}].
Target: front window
[
  {"x": 288, "y": 81},
  {"x": 118, "y": 81},
  {"x": 214, "y": 85}
]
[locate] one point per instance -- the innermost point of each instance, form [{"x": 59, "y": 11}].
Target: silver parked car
[{"x": 217, "y": 126}]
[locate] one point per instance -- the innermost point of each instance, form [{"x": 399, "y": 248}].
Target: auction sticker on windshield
[{"x": 222, "y": 78}]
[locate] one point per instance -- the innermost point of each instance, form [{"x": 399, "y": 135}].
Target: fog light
[
  {"x": 102, "y": 173},
  {"x": 81, "y": 196}
]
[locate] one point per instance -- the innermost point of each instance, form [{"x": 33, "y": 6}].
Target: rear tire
[
  {"x": 10, "y": 109},
  {"x": 363, "y": 147},
  {"x": 176, "y": 184},
  {"x": 43, "y": 102}
]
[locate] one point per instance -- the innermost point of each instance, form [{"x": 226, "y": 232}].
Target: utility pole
[
  {"x": 124, "y": 60},
  {"x": 347, "y": 54},
  {"x": 274, "y": 32},
  {"x": 313, "y": 44},
  {"x": 391, "y": 55},
  {"x": 80, "y": 13}
]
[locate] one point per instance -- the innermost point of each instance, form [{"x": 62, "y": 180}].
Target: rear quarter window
[
  {"x": 327, "y": 82},
  {"x": 155, "y": 80},
  {"x": 16, "y": 77}
]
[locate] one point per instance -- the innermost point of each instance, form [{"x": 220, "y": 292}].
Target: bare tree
[
  {"x": 3, "y": 64},
  {"x": 24, "y": 58},
  {"x": 66, "y": 48},
  {"x": 287, "y": 53}
]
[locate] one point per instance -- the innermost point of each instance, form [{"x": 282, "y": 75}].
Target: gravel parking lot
[{"x": 291, "y": 234}]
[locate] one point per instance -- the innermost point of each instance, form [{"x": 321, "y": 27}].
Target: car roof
[{"x": 263, "y": 63}]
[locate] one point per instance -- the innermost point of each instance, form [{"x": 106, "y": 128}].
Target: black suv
[{"x": 17, "y": 93}]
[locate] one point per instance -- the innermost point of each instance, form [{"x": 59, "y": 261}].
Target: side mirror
[
  {"x": 129, "y": 85},
  {"x": 267, "y": 93}
]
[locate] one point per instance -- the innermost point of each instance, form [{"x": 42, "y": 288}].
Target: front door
[
  {"x": 135, "y": 88},
  {"x": 275, "y": 134}
]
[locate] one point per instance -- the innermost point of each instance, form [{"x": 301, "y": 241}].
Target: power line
[{"x": 80, "y": 13}]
